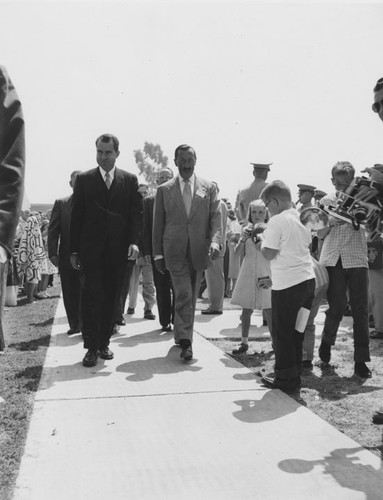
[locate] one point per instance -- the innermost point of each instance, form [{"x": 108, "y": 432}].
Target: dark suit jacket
[
  {"x": 59, "y": 228},
  {"x": 105, "y": 221},
  {"x": 12, "y": 160},
  {"x": 174, "y": 233}
]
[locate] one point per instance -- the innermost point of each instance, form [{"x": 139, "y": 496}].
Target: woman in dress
[{"x": 253, "y": 287}]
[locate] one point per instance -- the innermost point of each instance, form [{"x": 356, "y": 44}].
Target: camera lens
[{"x": 360, "y": 213}]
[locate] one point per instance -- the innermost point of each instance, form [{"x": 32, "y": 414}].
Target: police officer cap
[
  {"x": 264, "y": 166},
  {"x": 318, "y": 193},
  {"x": 306, "y": 187}
]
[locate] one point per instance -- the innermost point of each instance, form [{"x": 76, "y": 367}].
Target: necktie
[
  {"x": 108, "y": 180},
  {"x": 187, "y": 196}
]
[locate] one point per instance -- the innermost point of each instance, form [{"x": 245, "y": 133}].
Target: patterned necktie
[
  {"x": 108, "y": 180},
  {"x": 187, "y": 196}
]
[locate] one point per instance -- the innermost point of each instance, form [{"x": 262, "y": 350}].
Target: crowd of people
[{"x": 111, "y": 234}]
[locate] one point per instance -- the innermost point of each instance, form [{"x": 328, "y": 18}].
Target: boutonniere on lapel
[{"x": 201, "y": 192}]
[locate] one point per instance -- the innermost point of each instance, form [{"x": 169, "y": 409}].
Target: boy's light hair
[{"x": 278, "y": 190}]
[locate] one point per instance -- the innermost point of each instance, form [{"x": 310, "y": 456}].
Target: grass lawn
[{"x": 27, "y": 330}]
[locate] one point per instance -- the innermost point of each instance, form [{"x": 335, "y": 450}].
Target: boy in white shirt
[{"x": 285, "y": 243}]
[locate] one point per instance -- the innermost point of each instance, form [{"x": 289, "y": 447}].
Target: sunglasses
[{"x": 376, "y": 106}]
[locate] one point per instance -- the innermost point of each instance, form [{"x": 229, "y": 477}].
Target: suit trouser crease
[{"x": 215, "y": 281}]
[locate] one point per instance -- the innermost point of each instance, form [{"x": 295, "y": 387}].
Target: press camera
[{"x": 365, "y": 209}]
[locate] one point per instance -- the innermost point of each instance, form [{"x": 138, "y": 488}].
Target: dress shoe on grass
[
  {"x": 90, "y": 358},
  {"x": 377, "y": 417},
  {"x": 240, "y": 348},
  {"x": 362, "y": 370},
  {"x": 106, "y": 353},
  {"x": 283, "y": 384}
]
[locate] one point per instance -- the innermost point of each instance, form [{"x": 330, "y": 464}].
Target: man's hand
[
  {"x": 55, "y": 260},
  {"x": 76, "y": 262},
  {"x": 374, "y": 174},
  {"x": 133, "y": 252},
  {"x": 214, "y": 251},
  {"x": 159, "y": 264}
]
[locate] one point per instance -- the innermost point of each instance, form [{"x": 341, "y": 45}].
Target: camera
[{"x": 356, "y": 211}]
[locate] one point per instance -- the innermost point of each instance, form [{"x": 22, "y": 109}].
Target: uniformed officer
[{"x": 253, "y": 191}]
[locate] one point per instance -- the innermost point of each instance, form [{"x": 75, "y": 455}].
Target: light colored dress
[{"x": 247, "y": 292}]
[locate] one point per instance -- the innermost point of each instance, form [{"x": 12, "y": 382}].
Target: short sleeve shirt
[{"x": 292, "y": 265}]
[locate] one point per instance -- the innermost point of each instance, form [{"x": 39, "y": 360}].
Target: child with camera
[
  {"x": 344, "y": 253},
  {"x": 285, "y": 243},
  {"x": 252, "y": 289}
]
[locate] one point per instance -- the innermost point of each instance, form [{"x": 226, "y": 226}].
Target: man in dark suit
[
  {"x": 162, "y": 280},
  {"x": 104, "y": 233},
  {"x": 59, "y": 254},
  {"x": 12, "y": 167},
  {"x": 187, "y": 235}
]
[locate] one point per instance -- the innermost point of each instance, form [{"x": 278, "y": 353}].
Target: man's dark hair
[
  {"x": 184, "y": 147},
  {"x": 379, "y": 85},
  {"x": 108, "y": 138},
  {"x": 343, "y": 167}
]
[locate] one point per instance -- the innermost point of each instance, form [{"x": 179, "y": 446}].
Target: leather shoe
[
  {"x": 73, "y": 331},
  {"x": 121, "y": 322},
  {"x": 377, "y": 417},
  {"x": 240, "y": 348},
  {"x": 106, "y": 353},
  {"x": 149, "y": 315},
  {"x": 167, "y": 328},
  {"x": 325, "y": 352},
  {"x": 186, "y": 353},
  {"x": 279, "y": 383},
  {"x": 210, "y": 311},
  {"x": 362, "y": 370},
  {"x": 130, "y": 310},
  {"x": 90, "y": 358}
]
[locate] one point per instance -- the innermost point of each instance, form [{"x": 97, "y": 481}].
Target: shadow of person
[
  {"x": 145, "y": 369},
  {"x": 346, "y": 466},
  {"x": 271, "y": 406},
  {"x": 64, "y": 373},
  {"x": 142, "y": 338}
]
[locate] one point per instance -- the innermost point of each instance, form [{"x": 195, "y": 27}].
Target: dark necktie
[
  {"x": 187, "y": 196},
  {"x": 108, "y": 180}
]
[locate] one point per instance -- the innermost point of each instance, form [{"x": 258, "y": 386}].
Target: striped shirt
[{"x": 343, "y": 242}]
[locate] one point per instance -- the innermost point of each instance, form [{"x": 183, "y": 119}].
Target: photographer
[
  {"x": 377, "y": 176},
  {"x": 344, "y": 253}
]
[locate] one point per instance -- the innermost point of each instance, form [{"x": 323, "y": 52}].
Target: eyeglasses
[{"x": 376, "y": 106}]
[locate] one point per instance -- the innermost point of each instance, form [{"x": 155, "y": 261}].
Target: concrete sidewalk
[{"x": 148, "y": 425}]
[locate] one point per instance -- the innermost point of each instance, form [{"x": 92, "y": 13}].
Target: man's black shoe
[
  {"x": 167, "y": 328},
  {"x": 377, "y": 417},
  {"x": 130, "y": 310},
  {"x": 121, "y": 322},
  {"x": 106, "y": 353},
  {"x": 279, "y": 383},
  {"x": 362, "y": 370},
  {"x": 149, "y": 315},
  {"x": 325, "y": 352},
  {"x": 90, "y": 358},
  {"x": 186, "y": 353},
  {"x": 73, "y": 331},
  {"x": 210, "y": 311}
]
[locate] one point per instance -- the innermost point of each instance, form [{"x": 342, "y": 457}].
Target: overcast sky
[{"x": 288, "y": 83}]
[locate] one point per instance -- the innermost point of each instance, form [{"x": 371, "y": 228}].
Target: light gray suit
[{"x": 184, "y": 243}]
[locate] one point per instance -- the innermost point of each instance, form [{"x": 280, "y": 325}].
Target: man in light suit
[
  {"x": 104, "y": 233},
  {"x": 187, "y": 236},
  {"x": 59, "y": 254}
]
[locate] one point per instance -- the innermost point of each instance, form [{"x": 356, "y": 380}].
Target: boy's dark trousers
[{"x": 287, "y": 341}]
